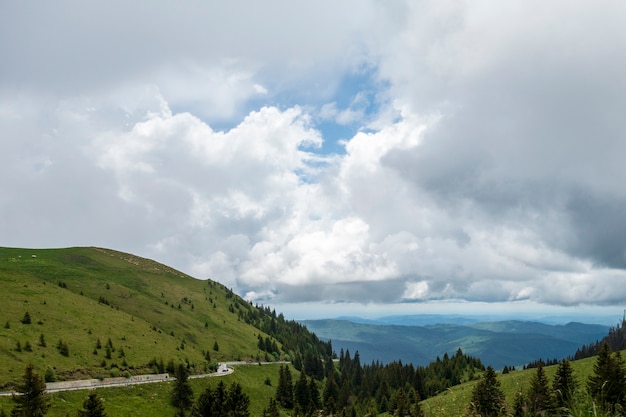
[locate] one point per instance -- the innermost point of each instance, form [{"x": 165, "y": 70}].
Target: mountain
[
  {"x": 89, "y": 312},
  {"x": 495, "y": 343}
]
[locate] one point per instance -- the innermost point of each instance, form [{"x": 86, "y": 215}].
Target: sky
[{"x": 328, "y": 157}]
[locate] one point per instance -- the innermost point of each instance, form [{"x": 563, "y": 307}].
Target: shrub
[{"x": 50, "y": 375}]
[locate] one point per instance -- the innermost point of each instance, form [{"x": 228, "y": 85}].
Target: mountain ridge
[{"x": 511, "y": 342}]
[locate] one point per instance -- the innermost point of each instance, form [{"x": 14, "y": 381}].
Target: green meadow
[
  {"x": 120, "y": 315},
  {"x": 84, "y": 297}
]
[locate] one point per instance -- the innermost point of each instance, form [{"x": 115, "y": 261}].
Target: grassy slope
[
  {"x": 154, "y": 399},
  {"x": 143, "y": 317},
  {"x": 454, "y": 401}
]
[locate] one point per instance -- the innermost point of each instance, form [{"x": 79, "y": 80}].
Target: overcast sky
[{"x": 356, "y": 153}]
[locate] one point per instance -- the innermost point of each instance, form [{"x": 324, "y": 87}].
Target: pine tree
[
  {"x": 330, "y": 395},
  {"x": 399, "y": 404},
  {"x": 487, "y": 396},
  {"x": 26, "y": 319},
  {"x": 519, "y": 406},
  {"x": 204, "y": 405},
  {"x": 33, "y": 400},
  {"x": 301, "y": 392},
  {"x": 93, "y": 406},
  {"x": 284, "y": 390},
  {"x": 314, "y": 395},
  {"x": 539, "y": 395},
  {"x": 564, "y": 384},
  {"x": 182, "y": 393},
  {"x": 272, "y": 409},
  {"x": 237, "y": 402},
  {"x": 607, "y": 384}
]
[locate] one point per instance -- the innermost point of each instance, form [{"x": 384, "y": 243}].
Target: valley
[{"x": 100, "y": 315}]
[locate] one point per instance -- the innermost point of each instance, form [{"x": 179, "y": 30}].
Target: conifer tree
[
  {"x": 182, "y": 393},
  {"x": 607, "y": 384},
  {"x": 539, "y": 396},
  {"x": 399, "y": 404},
  {"x": 519, "y": 406},
  {"x": 272, "y": 409},
  {"x": 487, "y": 396},
  {"x": 284, "y": 390},
  {"x": 383, "y": 395},
  {"x": 564, "y": 384},
  {"x": 26, "y": 319},
  {"x": 330, "y": 395},
  {"x": 301, "y": 394},
  {"x": 93, "y": 406},
  {"x": 203, "y": 407},
  {"x": 33, "y": 400},
  {"x": 314, "y": 395},
  {"x": 237, "y": 402}
]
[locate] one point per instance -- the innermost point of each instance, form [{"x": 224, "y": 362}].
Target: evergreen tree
[
  {"x": 33, "y": 401},
  {"x": 272, "y": 409},
  {"x": 330, "y": 395},
  {"x": 539, "y": 396},
  {"x": 237, "y": 402},
  {"x": 400, "y": 405},
  {"x": 205, "y": 405},
  {"x": 182, "y": 393},
  {"x": 383, "y": 395},
  {"x": 607, "y": 384},
  {"x": 314, "y": 395},
  {"x": 219, "y": 402},
  {"x": 26, "y": 319},
  {"x": 519, "y": 406},
  {"x": 564, "y": 384},
  {"x": 219, "y": 399},
  {"x": 284, "y": 390},
  {"x": 93, "y": 406},
  {"x": 301, "y": 394},
  {"x": 487, "y": 396}
]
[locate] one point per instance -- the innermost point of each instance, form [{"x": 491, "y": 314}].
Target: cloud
[{"x": 485, "y": 167}]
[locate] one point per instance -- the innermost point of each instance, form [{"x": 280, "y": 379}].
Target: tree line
[
  {"x": 357, "y": 390},
  {"x": 605, "y": 392}
]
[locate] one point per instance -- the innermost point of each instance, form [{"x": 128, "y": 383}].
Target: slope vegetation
[{"x": 89, "y": 312}]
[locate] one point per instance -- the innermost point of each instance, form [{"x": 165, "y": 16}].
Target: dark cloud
[{"x": 492, "y": 172}]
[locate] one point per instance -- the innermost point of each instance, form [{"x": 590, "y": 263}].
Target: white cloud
[
  {"x": 493, "y": 171},
  {"x": 416, "y": 291}
]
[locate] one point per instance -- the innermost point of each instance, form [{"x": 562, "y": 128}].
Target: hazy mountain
[{"x": 496, "y": 343}]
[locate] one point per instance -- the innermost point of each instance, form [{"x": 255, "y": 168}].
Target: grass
[
  {"x": 154, "y": 399},
  {"x": 150, "y": 311},
  {"x": 454, "y": 401}
]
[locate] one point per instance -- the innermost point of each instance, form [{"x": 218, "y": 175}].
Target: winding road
[{"x": 51, "y": 387}]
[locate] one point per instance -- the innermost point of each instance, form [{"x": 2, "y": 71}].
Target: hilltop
[{"x": 96, "y": 312}]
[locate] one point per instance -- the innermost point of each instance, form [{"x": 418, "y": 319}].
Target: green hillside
[
  {"x": 455, "y": 400},
  {"x": 154, "y": 399},
  {"x": 152, "y": 315},
  {"x": 81, "y": 313}
]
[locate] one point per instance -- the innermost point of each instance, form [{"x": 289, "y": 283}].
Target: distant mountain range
[{"x": 497, "y": 343}]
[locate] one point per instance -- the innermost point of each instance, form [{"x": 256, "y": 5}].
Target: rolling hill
[
  {"x": 119, "y": 313},
  {"x": 497, "y": 343}
]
